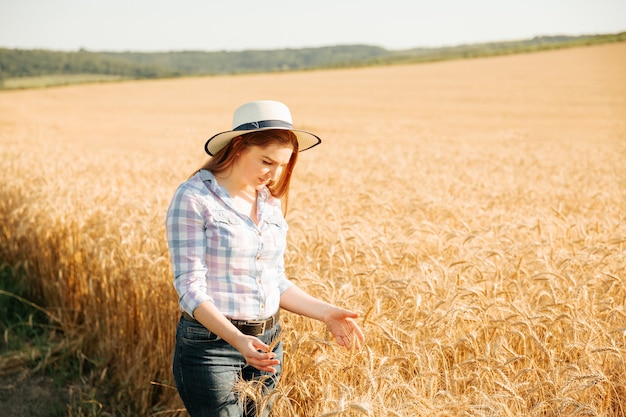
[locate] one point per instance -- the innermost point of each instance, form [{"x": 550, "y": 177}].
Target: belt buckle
[
  {"x": 252, "y": 328},
  {"x": 258, "y": 327},
  {"x": 263, "y": 325}
]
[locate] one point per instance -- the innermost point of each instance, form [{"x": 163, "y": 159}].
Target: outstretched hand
[{"x": 341, "y": 324}]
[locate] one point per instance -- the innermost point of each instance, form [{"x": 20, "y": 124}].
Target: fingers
[
  {"x": 348, "y": 341},
  {"x": 348, "y": 333},
  {"x": 259, "y": 345},
  {"x": 260, "y": 357},
  {"x": 266, "y": 364},
  {"x": 352, "y": 315},
  {"x": 348, "y": 314},
  {"x": 360, "y": 336},
  {"x": 263, "y": 361}
]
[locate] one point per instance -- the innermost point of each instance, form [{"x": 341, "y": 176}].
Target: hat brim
[{"x": 306, "y": 140}]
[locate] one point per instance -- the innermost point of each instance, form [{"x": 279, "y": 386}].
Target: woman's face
[{"x": 259, "y": 166}]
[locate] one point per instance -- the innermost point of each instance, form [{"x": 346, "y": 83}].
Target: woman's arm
[
  {"x": 256, "y": 353},
  {"x": 340, "y": 322}
]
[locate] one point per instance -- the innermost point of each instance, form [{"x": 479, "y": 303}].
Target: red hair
[{"x": 226, "y": 157}]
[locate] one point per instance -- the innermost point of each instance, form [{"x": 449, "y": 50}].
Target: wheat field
[{"x": 473, "y": 212}]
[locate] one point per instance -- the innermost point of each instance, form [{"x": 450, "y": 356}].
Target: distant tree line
[
  {"x": 229, "y": 62},
  {"x": 31, "y": 63},
  {"x": 538, "y": 43},
  {"x": 15, "y": 63}
]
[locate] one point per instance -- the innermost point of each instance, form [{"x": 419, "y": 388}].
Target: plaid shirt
[{"x": 221, "y": 256}]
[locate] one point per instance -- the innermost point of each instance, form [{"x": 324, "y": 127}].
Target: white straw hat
[{"x": 261, "y": 115}]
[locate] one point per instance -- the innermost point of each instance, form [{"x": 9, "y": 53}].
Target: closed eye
[{"x": 269, "y": 161}]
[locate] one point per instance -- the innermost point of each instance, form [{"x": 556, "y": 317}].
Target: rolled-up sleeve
[{"x": 187, "y": 247}]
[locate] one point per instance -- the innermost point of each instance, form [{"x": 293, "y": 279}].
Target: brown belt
[{"x": 248, "y": 327}]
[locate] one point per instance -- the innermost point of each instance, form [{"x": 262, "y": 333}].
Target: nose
[{"x": 275, "y": 173}]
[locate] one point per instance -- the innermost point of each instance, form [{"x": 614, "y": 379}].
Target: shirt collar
[{"x": 209, "y": 179}]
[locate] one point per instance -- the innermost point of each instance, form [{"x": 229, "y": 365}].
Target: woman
[{"x": 227, "y": 238}]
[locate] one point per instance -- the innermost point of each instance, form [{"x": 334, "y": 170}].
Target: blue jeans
[{"x": 206, "y": 369}]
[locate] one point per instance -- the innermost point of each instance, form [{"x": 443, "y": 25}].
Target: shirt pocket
[
  {"x": 277, "y": 229},
  {"x": 225, "y": 228}
]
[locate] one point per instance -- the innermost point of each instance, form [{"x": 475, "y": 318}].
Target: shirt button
[{"x": 260, "y": 234}]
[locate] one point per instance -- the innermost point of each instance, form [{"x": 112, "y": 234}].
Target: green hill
[{"x": 20, "y": 68}]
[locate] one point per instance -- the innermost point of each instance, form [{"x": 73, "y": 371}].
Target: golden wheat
[{"x": 473, "y": 212}]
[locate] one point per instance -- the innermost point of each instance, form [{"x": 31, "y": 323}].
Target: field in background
[
  {"x": 57, "y": 80},
  {"x": 474, "y": 212}
]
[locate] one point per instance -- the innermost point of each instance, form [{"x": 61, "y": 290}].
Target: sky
[{"x": 214, "y": 25}]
